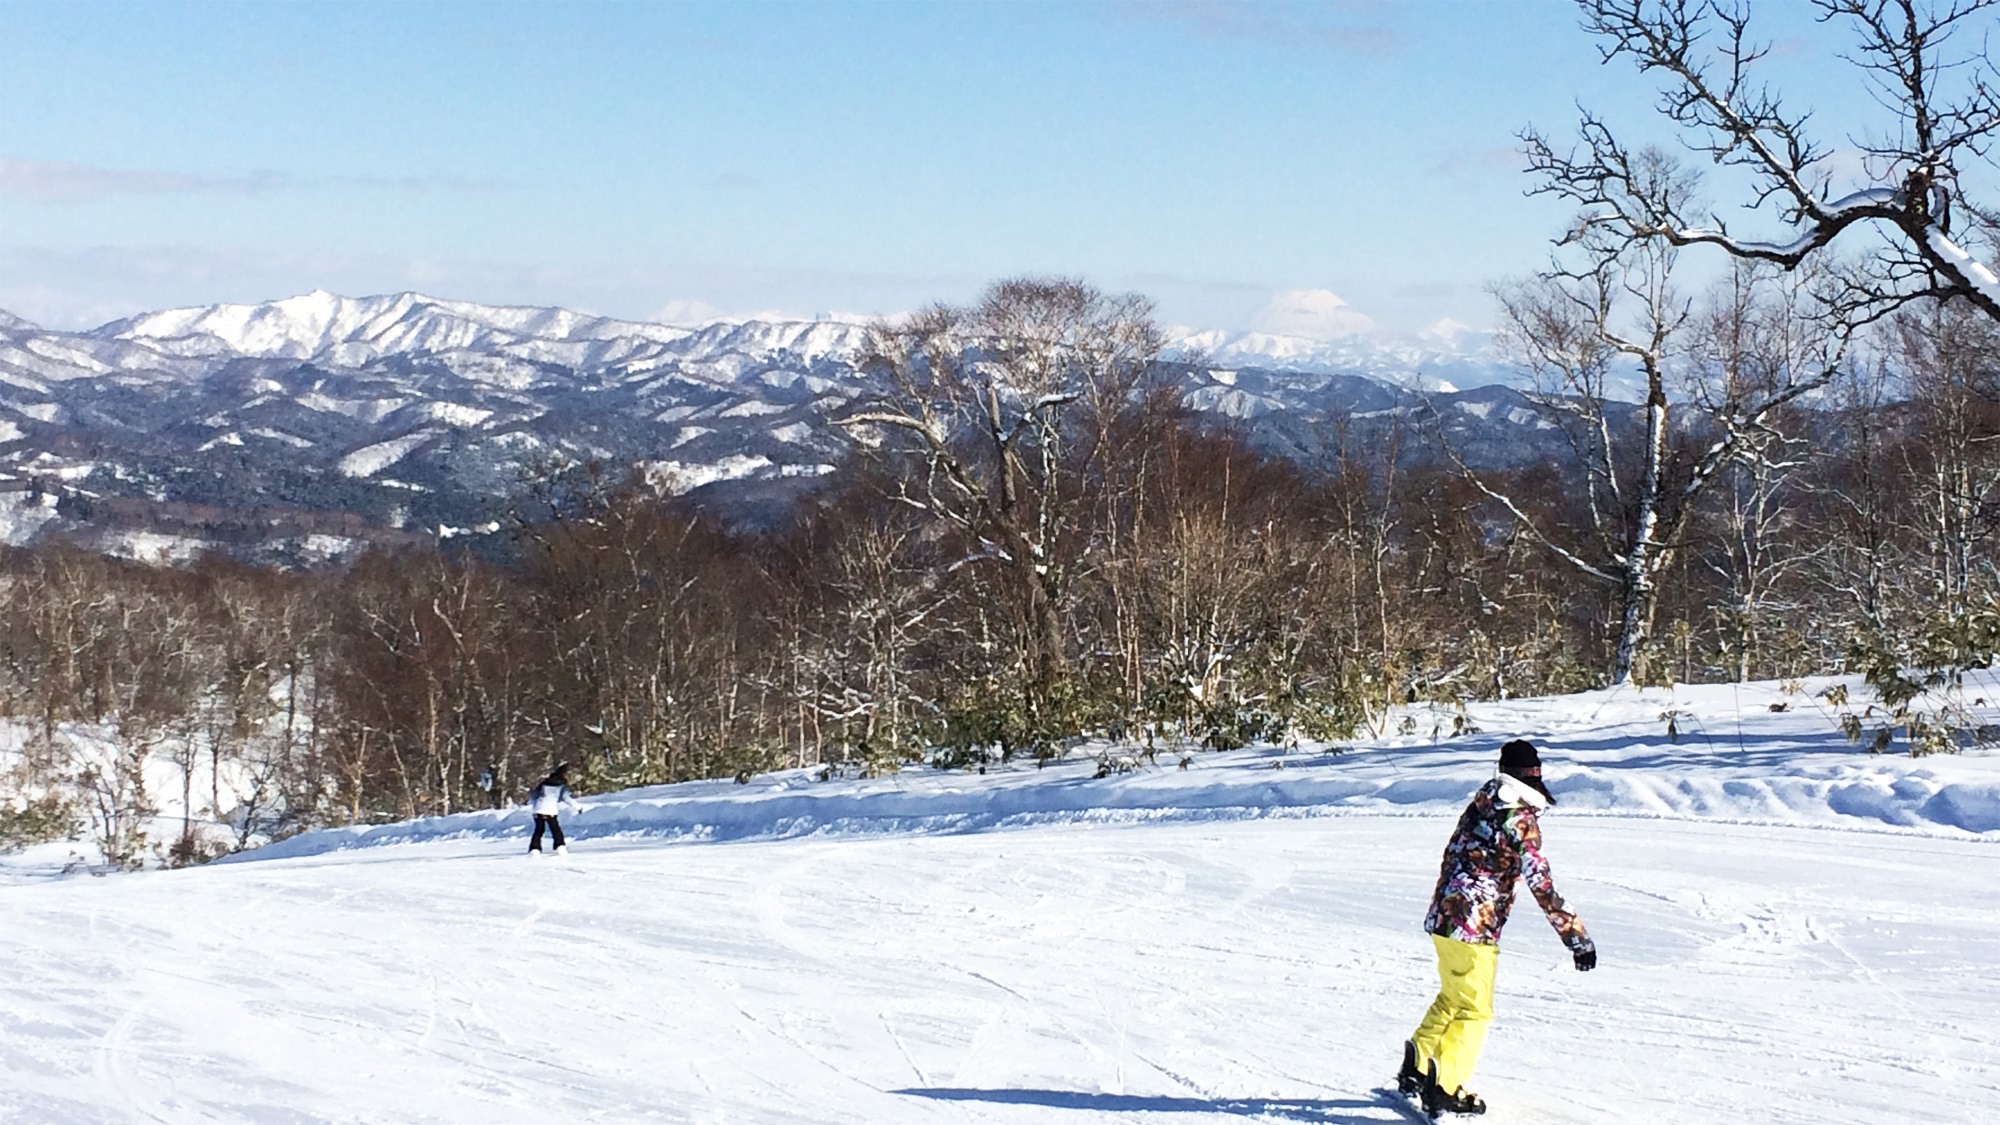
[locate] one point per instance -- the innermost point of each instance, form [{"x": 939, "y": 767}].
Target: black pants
[{"x": 555, "y": 829}]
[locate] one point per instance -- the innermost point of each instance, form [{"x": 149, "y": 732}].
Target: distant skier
[
  {"x": 1498, "y": 840},
  {"x": 544, "y": 801}
]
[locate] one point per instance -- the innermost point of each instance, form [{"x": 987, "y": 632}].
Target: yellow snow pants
[{"x": 1455, "y": 1027}]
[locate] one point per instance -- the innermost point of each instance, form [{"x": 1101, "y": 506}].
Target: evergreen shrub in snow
[{"x": 36, "y": 820}]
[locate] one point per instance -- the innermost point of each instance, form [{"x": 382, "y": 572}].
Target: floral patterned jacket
[{"x": 1498, "y": 840}]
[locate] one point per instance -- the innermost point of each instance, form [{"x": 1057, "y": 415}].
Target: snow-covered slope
[{"x": 1193, "y": 946}]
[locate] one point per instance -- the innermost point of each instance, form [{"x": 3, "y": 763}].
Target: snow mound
[{"x": 1732, "y": 758}]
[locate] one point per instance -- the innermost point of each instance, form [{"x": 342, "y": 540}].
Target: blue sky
[{"x": 682, "y": 159}]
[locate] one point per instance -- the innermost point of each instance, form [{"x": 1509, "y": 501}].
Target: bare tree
[
  {"x": 1857, "y": 501},
  {"x": 1927, "y": 65},
  {"x": 1359, "y": 557},
  {"x": 1606, "y": 308},
  {"x": 1759, "y": 339},
  {"x": 1955, "y": 468},
  {"x": 1761, "y": 548},
  {"x": 881, "y": 601},
  {"x": 1001, "y": 406}
]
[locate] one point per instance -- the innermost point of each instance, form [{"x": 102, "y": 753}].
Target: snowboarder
[
  {"x": 1498, "y": 840},
  {"x": 544, "y": 801}
]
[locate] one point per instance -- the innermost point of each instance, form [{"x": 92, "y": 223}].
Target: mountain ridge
[
  {"x": 328, "y": 327},
  {"x": 421, "y": 415}
]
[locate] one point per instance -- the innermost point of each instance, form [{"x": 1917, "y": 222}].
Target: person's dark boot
[
  {"x": 1410, "y": 1080},
  {"x": 1431, "y": 1095},
  {"x": 1436, "y": 1101}
]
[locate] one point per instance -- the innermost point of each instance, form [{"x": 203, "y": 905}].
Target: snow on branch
[
  {"x": 1943, "y": 108},
  {"x": 1976, "y": 273},
  {"x": 1830, "y": 220}
]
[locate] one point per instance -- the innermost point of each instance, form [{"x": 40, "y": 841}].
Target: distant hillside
[{"x": 296, "y": 430}]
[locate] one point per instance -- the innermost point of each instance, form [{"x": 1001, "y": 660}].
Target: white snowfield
[{"x": 1790, "y": 930}]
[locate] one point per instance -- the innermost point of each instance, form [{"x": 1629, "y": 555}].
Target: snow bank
[{"x": 1734, "y": 760}]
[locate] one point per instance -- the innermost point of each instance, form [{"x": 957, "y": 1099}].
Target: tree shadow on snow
[
  {"x": 1320, "y": 1111},
  {"x": 1721, "y": 744}
]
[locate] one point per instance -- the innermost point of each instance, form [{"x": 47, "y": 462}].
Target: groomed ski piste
[{"x": 1790, "y": 928}]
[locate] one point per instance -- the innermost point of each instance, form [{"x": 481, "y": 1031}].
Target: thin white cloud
[
  {"x": 1151, "y": 281},
  {"x": 1447, "y": 330},
  {"x": 1464, "y": 162},
  {"x": 687, "y": 312},
  {"x": 1318, "y": 314},
  {"x": 455, "y": 185},
  {"x": 1340, "y": 25},
  {"x": 48, "y": 181},
  {"x": 1847, "y": 168}
]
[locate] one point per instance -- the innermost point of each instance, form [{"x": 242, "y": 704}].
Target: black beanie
[{"x": 1519, "y": 756}]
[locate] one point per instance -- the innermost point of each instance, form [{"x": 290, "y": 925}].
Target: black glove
[{"x": 1586, "y": 957}]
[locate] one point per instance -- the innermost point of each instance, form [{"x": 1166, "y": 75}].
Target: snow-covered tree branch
[{"x": 1927, "y": 65}]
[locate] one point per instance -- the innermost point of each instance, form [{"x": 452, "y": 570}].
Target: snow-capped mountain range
[{"x": 297, "y": 428}]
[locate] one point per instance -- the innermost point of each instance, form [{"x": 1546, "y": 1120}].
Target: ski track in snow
[{"x": 1196, "y": 946}]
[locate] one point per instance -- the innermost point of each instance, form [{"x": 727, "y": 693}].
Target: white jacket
[{"x": 545, "y": 798}]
